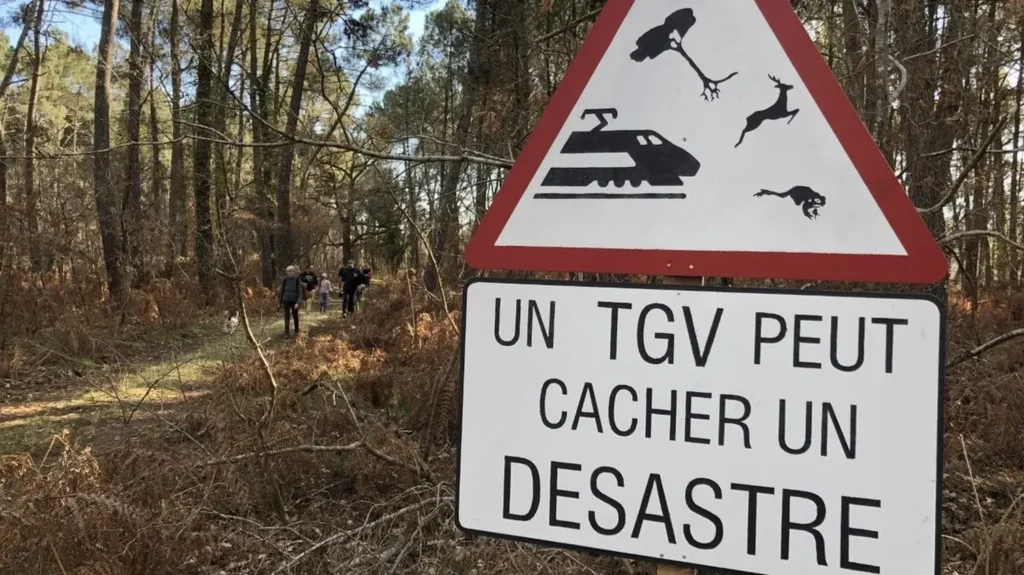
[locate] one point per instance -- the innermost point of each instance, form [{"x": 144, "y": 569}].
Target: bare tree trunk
[
  {"x": 177, "y": 202},
  {"x": 12, "y": 66},
  {"x": 201, "y": 154},
  {"x": 158, "y": 191},
  {"x": 31, "y": 200},
  {"x": 220, "y": 114},
  {"x": 265, "y": 215},
  {"x": 448, "y": 200},
  {"x": 1015, "y": 257},
  {"x": 106, "y": 205},
  {"x": 518, "y": 11},
  {"x": 131, "y": 232},
  {"x": 853, "y": 34},
  {"x": 284, "y": 174}
]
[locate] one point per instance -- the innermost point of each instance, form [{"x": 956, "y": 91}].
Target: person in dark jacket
[
  {"x": 366, "y": 274},
  {"x": 350, "y": 279},
  {"x": 311, "y": 281},
  {"x": 292, "y": 290}
]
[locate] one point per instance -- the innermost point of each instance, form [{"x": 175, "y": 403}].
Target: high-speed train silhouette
[{"x": 658, "y": 161}]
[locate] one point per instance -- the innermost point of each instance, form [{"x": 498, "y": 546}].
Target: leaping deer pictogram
[{"x": 777, "y": 111}]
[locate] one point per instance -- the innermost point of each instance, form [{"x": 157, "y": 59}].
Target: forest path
[{"x": 163, "y": 372}]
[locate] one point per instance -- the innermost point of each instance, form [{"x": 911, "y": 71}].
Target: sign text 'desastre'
[{"x": 760, "y": 432}]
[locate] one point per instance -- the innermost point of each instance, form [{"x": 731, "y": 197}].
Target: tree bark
[
  {"x": 177, "y": 217},
  {"x": 131, "y": 231},
  {"x": 1015, "y": 256},
  {"x": 284, "y": 174},
  {"x": 31, "y": 200},
  {"x": 265, "y": 212},
  {"x": 106, "y": 205},
  {"x": 158, "y": 188},
  {"x": 220, "y": 114},
  {"x": 448, "y": 200},
  {"x": 201, "y": 154},
  {"x": 12, "y": 67}
]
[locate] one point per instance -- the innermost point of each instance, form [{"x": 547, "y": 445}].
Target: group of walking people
[{"x": 298, "y": 289}]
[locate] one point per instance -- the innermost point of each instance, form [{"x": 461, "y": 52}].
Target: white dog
[{"x": 231, "y": 322}]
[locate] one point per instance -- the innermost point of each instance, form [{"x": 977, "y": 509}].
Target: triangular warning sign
[{"x": 704, "y": 138}]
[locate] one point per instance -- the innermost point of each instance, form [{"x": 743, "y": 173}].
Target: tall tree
[
  {"x": 12, "y": 67},
  {"x": 31, "y": 200},
  {"x": 448, "y": 199},
  {"x": 284, "y": 174},
  {"x": 177, "y": 201},
  {"x": 265, "y": 215},
  {"x": 132, "y": 201},
  {"x": 106, "y": 205},
  {"x": 201, "y": 153},
  {"x": 220, "y": 111},
  {"x": 157, "y": 175}
]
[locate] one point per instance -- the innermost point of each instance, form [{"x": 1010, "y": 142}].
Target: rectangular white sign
[{"x": 763, "y": 432}]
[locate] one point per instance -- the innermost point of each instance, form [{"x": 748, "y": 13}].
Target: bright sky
[{"x": 85, "y": 29}]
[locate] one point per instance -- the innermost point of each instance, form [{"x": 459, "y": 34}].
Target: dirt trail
[{"x": 161, "y": 373}]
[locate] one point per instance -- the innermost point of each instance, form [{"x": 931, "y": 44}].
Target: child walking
[{"x": 324, "y": 289}]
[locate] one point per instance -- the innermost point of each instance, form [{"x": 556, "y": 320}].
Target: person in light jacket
[
  {"x": 324, "y": 289},
  {"x": 292, "y": 290}
]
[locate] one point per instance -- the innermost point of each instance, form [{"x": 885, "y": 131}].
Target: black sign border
[{"x": 940, "y": 424}]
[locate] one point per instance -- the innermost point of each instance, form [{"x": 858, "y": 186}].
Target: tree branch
[
  {"x": 588, "y": 16},
  {"x": 950, "y": 238},
  {"x": 301, "y": 448},
  {"x": 987, "y": 346},
  {"x": 968, "y": 168},
  {"x": 345, "y": 534},
  {"x": 354, "y": 149}
]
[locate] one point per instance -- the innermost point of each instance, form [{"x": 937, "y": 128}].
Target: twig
[
  {"x": 57, "y": 557},
  {"x": 352, "y": 412},
  {"x": 968, "y": 168},
  {"x": 987, "y": 346},
  {"x": 302, "y": 448},
  {"x": 974, "y": 484},
  {"x": 185, "y": 433},
  {"x": 960, "y": 541},
  {"x": 344, "y": 534},
  {"x": 412, "y": 539},
  {"x": 417, "y": 469}
]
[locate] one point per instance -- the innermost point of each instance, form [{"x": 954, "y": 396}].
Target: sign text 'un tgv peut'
[{"x": 755, "y": 431}]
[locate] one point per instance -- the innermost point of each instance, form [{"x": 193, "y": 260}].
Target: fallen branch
[
  {"x": 417, "y": 469},
  {"x": 344, "y": 534},
  {"x": 412, "y": 539},
  {"x": 987, "y": 346},
  {"x": 302, "y": 448}
]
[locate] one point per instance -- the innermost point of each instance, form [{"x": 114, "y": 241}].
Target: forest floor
[
  {"x": 173, "y": 451},
  {"x": 143, "y": 381}
]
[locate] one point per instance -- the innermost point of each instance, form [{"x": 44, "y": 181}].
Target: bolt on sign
[{"x": 751, "y": 430}]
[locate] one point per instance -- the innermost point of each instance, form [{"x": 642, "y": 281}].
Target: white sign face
[
  {"x": 719, "y": 143},
  {"x": 760, "y": 432}
]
